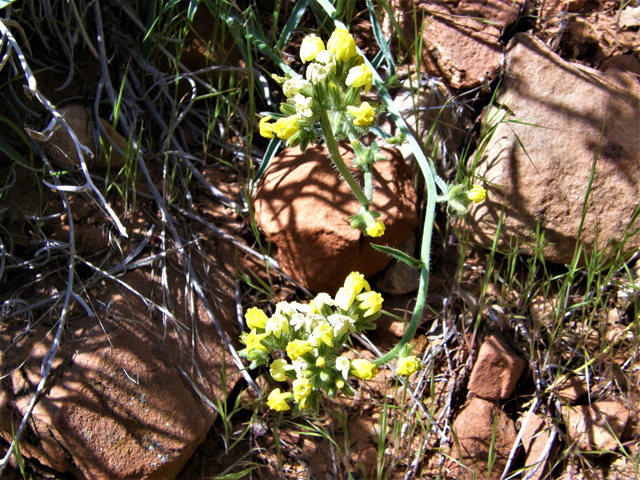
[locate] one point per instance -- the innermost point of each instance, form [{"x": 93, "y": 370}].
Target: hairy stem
[
  {"x": 425, "y": 258},
  {"x": 332, "y": 146}
]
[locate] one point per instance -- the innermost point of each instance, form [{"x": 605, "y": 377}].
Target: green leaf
[
  {"x": 191, "y": 10},
  {"x": 399, "y": 255},
  {"x": 274, "y": 144}
]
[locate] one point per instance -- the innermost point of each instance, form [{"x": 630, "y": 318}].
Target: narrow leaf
[
  {"x": 274, "y": 144},
  {"x": 399, "y": 255},
  {"x": 296, "y": 15}
]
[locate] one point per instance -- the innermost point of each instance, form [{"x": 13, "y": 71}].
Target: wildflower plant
[
  {"x": 326, "y": 103},
  {"x": 304, "y": 343}
]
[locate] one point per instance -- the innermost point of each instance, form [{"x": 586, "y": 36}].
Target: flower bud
[
  {"x": 363, "y": 369},
  {"x": 408, "y": 365},
  {"x": 376, "y": 229},
  {"x": 256, "y": 318},
  {"x": 311, "y": 46},
  {"x": 342, "y": 45},
  {"x": 477, "y": 194}
]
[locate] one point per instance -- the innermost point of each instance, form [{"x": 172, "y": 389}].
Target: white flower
[
  {"x": 303, "y": 106},
  {"x": 293, "y": 86},
  {"x": 341, "y": 324},
  {"x": 306, "y": 321},
  {"x": 300, "y": 366},
  {"x": 327, "y": 59},
  {"x": 323, "y": 299},
  {"x": 277, "y": 324},
  {"x": 343, "y": 364},
  {"x": 289, "y": 308},
  {"x": 284, "y": 308},
  {"x": 317, "y": 73}
]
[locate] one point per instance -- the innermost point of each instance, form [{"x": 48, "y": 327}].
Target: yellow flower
[
  {"x": 371, "y": 302},
  {"x": 321, "y": 362},
  {"x": 297, "y": 348},
  {"x": 256, "y": 318},
  {"x": 356, "y": 282},
  {"x": 278, "y": 401},
  {"x": 340, "y": 384},
  {"x": 301, "y": 389},
  {"x": 364, "y": 114},
  {"x": 408, "y": 365},
  {"x": 278, "y": 369},
  {"x": 266, "y": 128},
  {"x": 311, "y": 46},
  {"x": 477, "y": 194},
  {"x": 375, "y": 229},
  {"x": 276, "y": 325},
  {"x": 342, "y": 44},
  {"x": 360, "y": 76},
  {"x": 286, "y": 127},
  {"x": 345, "y": 297},
  {"x": 322, "y": 333},
  {"x": 252, "y": 341},
  {"x": 363, "y": 369}
]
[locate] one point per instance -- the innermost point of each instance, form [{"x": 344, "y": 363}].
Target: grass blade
[
  {"x": 377, "y": 32},
  {"x": 296, "y": 15}
]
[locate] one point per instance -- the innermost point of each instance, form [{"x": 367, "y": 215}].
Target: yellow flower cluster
[
  {"x": 334, "y": 73},
  {"x": 303, "y": 343}
]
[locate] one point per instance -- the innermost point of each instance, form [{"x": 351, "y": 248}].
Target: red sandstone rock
[
  {"x": 302, "y": 206},
  {"x": 572, "y": 389},
  {"x": 625, "y": 63},
  {"x": 575, "y": 115},
  {"x": 474, "y": 427},
  {"x": 496, "y": 370},
  {"x": 461, "y": 38},
  {"x": 116, "y": 405},
  {"x": 596, "y": 427}
]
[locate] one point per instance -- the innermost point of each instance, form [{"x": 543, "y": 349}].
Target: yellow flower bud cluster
[
  {"x": 304, "y": 343},
  {"x": 335, "y": 75}
]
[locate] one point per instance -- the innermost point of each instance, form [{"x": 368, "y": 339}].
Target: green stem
[
  {"x": 332, "y": 146},
  {"x": 368, "y": 182},
  {"x": 425, "y": 257}
]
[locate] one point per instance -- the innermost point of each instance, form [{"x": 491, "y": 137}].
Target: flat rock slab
[
  {"x": 558, "y": 118},
  {"x": 302, "y": 205},
  {"x": 496, "y": 371},
  {"x": 461, "y": 39},
  {"x": 598, "y": 427},
  {"x": 572, "y": 389},
  {"x": 474, "y": 427},
  {"x": 116, "y": 405}
]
